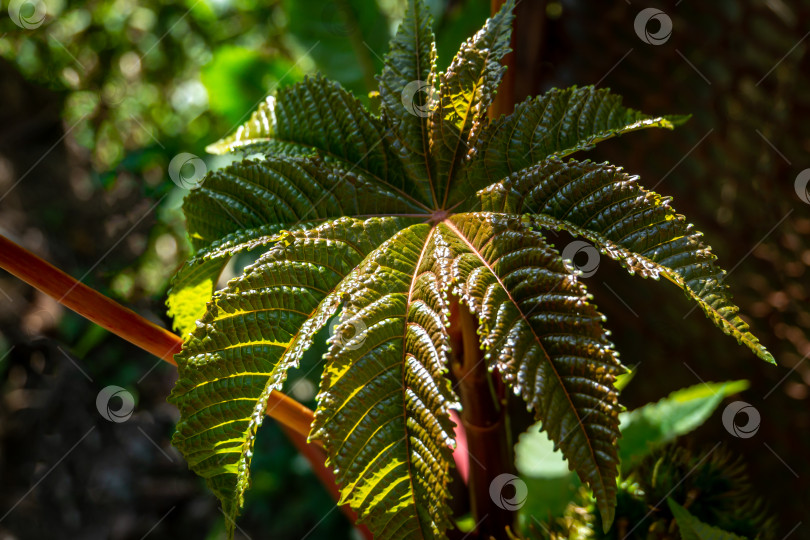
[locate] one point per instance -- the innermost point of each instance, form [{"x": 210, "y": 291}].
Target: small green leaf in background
[
  {"x": 238, "y": 78},
  {"x": 679, "y": 413},
  {"x": 550, "y": 483},
  {"x": 693, "y": 529},
  {"x": 624, "y": 379}
]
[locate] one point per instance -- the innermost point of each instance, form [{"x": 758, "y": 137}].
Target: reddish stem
[{"x": 87, "y": 302}]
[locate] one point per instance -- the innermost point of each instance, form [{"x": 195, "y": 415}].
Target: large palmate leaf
[
  {"x": 378, "y": 218},
  {"x": 635, "y": 226},
  {"x": 251, "y": 334},
  {"x": 383, "y": 408},
  {"x": 558, "y": 123},
  {"x": 544, "y": 338}
]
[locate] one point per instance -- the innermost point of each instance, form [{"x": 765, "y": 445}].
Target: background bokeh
[{"x": 97, "y": 97}]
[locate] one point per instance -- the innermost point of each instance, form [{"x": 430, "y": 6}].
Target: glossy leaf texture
[
  {"x": 544, "y": 337},
  {"x": 558, "y": 123},
  {"x": 408, "y": 95},
  {"x": 238, "y": 209},
  {"x": 381, "y": 218},
  {"x": 318, "y": 116},
  {"x": 383, "y": 409},
  {"x": 251, "y": 334},
  {"x": 466, "y": 91},
  {"x": 629, "y": 224}
]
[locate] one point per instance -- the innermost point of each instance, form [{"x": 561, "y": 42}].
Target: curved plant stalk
[
  {"x": 295, "y": 419},
  {"x": 87, "y": 302},
  {"x": 123, "y": 322}
]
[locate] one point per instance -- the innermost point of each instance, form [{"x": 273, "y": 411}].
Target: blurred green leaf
[
  {"x": 550, "y": 483},
  {"x": 650, "y": 426},
  {"x": 238, "y": 78},
  {"x": 693, "y": 529}
]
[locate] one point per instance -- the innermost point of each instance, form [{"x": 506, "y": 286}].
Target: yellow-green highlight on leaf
[
  {"x": 383, "y": 414},
  {"x": 251, "y": 333},
  {"x": 187, "y": 305},
  {"x": 623, "y": 379}
]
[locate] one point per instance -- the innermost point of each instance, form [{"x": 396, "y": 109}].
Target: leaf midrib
[
  {"x": 472, "y": 248},
  {"x": 414, "y": 279},
  {"x": 670, "y": 273}
]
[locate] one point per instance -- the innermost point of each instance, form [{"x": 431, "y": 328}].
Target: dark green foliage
[
  {"x": 713, "y": 483},
  {"x": 675, "y": 493}
]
